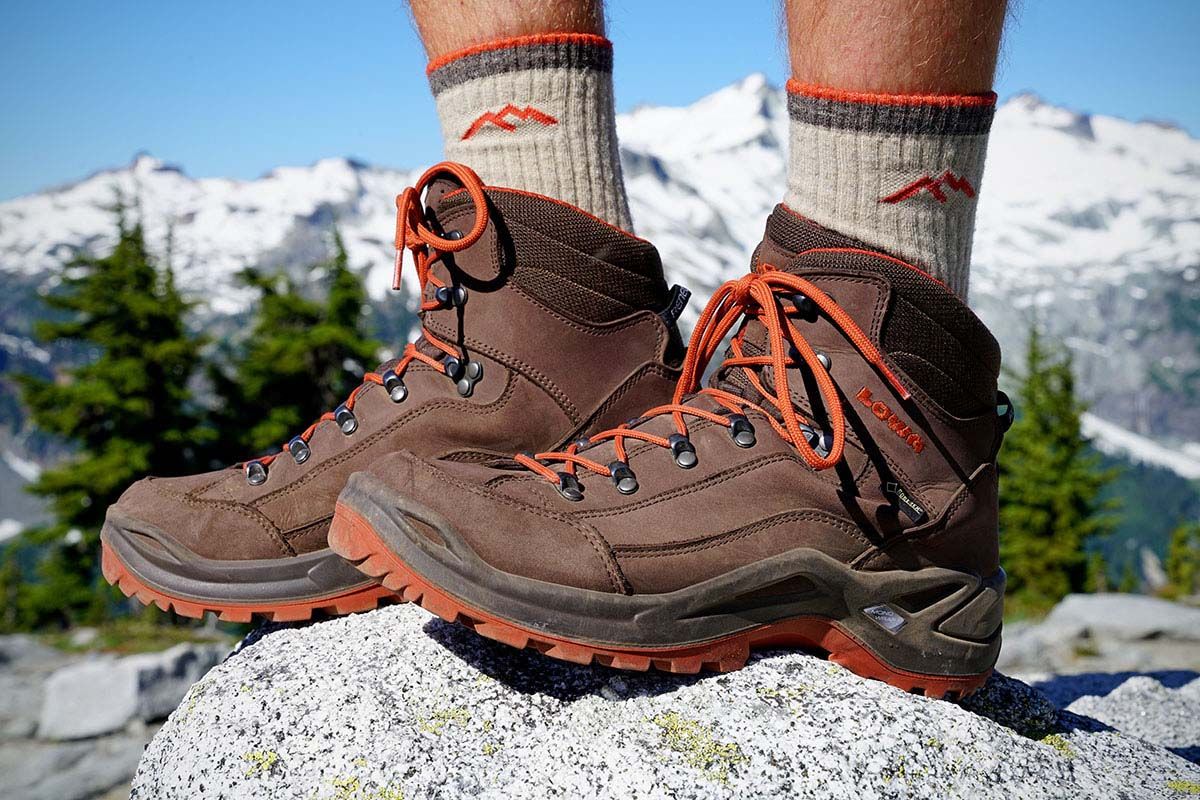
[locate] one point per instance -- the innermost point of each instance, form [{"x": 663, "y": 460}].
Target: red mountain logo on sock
[
  {"x": 500, "y": 119},
  {"x": 935, "y": 186}
]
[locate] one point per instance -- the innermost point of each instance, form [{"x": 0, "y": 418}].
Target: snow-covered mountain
[{"x": 1090, "y": 224}]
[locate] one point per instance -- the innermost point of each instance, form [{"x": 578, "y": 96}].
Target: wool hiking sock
[
  {"x": 536, "y": 113},
  {"x": 899, "y": 172}
]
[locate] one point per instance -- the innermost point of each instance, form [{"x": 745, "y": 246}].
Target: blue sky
[{"x": 236, "y": 88}]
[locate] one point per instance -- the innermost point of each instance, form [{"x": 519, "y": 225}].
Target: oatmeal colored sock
[
  {"x": 899, "y": 172},
  {"x": 536, "y": 113}
]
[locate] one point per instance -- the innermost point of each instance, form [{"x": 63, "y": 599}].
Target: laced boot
[
  {"x": 540, "y": 324},
  {"x": 833, "y": 487}
]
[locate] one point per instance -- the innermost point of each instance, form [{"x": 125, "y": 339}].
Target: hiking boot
[
  {"x": 541, "y": 323},
  {"x": 834, "y": 487}
]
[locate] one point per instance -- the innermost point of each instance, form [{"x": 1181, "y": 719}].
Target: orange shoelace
[
  {"x": 427, "y": 248},
  {"x": 754, "y": 295}
]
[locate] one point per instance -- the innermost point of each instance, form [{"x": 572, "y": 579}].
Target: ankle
[
  {"x": 899, "y": 172},
  {"x": 536, "y": 113}
]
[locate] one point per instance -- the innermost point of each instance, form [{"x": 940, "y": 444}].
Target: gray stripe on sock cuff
[
  {"x": 570, "y": 55},
  {"x": 936, "y": 120}
]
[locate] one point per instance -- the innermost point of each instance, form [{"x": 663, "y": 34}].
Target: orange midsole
[
  {"x": 118, "y": 574},
  {"x": 353, "y": 537}
]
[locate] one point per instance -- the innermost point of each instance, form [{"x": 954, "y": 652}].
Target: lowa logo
[{"x": 901, "y": 428}]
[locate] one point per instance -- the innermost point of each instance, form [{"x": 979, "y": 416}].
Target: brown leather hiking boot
[
  {"x": 834, "y": 487},
  {"x": 541, "y": 323}
]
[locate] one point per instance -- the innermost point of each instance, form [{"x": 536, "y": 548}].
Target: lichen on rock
[{"x": 393, "y": 703}]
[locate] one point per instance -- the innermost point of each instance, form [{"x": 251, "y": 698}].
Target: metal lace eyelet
[
  {"x": 820, "y": 441},
  {"x": 394, "y": 386},
  {"x": 741, "y": 431},
  {"x": 623, "y": 477},
  {"x": 806, "y": 309},
  {"x": 450, "y": 296},
  {"x": 683, "y": 451},
  {"x": 472, "y": 374},
  {"x": 345, "y": 419},
  {"x": 825, "y": 360},
  {"x": 454, "y": 235},
  {"x": 568, "y": 486},
  {"x": 299, "y": 450},
  {"x": 256, "y": 473}
]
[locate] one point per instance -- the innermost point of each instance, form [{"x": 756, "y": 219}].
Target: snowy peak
[
  {"x": 748, "y": 112},
  {"x": 1087, "y": 222}
]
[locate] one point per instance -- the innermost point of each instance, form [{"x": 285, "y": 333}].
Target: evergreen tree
[
  {"x": 302, "y": 358},
  {"x": 1183, "y": 561},
  {"x": 127, "y": 411},
  {"x": 1131, "y": 581},
  {"x": 1097, "y": 573},
  {"x": 1050, "y": 481}
]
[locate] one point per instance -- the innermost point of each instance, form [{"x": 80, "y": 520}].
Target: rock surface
[
  {"x": 69, "y": 770},
  {"x": 103, "y": 694},
  {"x": 24, "y": 664},
  {"x": 394, "y": 704},
  {"x": 1128, "y": 617},
  {"x": 50, "y": 698},
  {"x": 1104, "y": 633}
]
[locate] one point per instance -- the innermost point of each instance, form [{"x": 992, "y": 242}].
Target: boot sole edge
[{"x": 355, "y": 539}]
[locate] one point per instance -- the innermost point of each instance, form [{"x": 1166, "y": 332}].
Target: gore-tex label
[
  {"x": 910, "y": 507},
  {"x": 677, "y": 301}
]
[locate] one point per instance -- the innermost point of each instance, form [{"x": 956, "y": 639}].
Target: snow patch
[
  {"x": 9, "y": 528},
  {"x": 1111, "y": 438},
  {"x": 28, "y": 470}
]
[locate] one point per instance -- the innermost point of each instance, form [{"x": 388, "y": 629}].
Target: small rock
[
  {"x": 23, "y": 651},
  {"x": 68, "y": 770},
  {"x": 1125, "y": 617},
  {"x": 24, "y": 665},
  {"x": 83, "y": 637},
  {"x": 102, "y": 694},
  {"x": 1143, "y": 706}
]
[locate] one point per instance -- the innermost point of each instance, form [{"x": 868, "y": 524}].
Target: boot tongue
[{"x": 787, "y": 235}]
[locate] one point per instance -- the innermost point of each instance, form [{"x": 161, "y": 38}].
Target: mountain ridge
[{"x": 1087, "y": 224}]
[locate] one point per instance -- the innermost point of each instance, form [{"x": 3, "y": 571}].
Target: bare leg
[
  {"x": 524, "y": 94},
  {"x": 891, "y": 105},
  {"x": 896, "y": 46},
  {"x": 449, "y": 25}
]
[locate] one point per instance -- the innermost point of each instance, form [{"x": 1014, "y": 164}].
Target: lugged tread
[
  {"x": 352, "y": 537},
  {"x": 117, "y": 574}
]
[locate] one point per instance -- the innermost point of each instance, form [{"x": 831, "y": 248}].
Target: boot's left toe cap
[{"x": 509, "y": 535}]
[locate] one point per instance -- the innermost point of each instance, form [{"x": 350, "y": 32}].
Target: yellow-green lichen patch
[
  {"x": 699, "y": 746},
  {"x": 490, "y": 748},
  {"x": 790, "y": 697},
  {"x": 352, "y": 788},
  {"x": 436, "y": 722},
  {"x": 193, "y": 697},
  {"x": 260, "y": 762},
  {"x": 1060, "y": 744},
  {"x": 346, "y": 788},
  {"x": 1184, "y": 787}
]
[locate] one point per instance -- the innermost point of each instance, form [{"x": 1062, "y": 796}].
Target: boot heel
[{"x": 935, "y": 634}]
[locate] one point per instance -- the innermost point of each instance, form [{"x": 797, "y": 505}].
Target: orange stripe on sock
[
  {"x": 828, "y": 93},
  {"x": 589, "y": 39}
]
